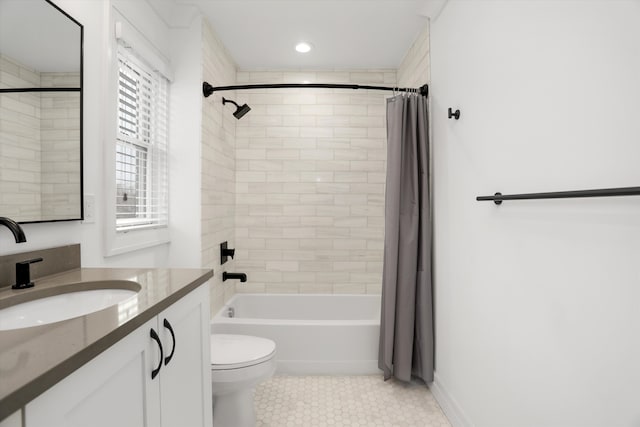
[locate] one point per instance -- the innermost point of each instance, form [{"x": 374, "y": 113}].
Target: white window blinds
[{"x": 141, "y": 146}]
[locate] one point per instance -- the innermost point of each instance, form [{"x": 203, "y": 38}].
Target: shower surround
[{"x": 310, "y": 177}]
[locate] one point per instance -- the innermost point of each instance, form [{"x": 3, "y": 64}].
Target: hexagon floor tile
[{"x": 354, "y": 401}]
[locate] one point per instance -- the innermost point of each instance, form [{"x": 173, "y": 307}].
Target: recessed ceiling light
[{"x": 303, "y": 47}]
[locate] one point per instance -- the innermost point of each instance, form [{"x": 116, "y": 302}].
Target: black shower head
[{"x": 241, "y": 110}]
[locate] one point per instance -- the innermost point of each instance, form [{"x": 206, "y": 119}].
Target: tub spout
[{"x": 241, "y": 276}]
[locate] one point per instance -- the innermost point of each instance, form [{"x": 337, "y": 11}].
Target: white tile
[
  {"x": 310, "y": 179},
  {"x": 265, "y": 277},
  {"x": 316, "y": 132},
  {"x": 316, "y": 110},
  {"x": 282, "y": 266},
  {"x": 281, "y": 288},
  {"x": 323, "y": 221},
  {"x": 350, "y": 266},
  {"x": 316, "y": 176},
  {"x": 251, "y": 177},
  {"x": 282, "y": 131},
  {"x": 365, "y": 401},
  {"x": 253, "y": 154},
  {"x": 316, "y": 288},
  {"x": 264, "y": 165},
  {"x": 286, "y": 243},
  {"x": 298, "y": 277},
  {"x": 319, "y": 154},
  {"x": 351, "y": 177},
  {"x": 309, "y": 121},
  {"x": 352, "y": 154},
  {"x": 299, "y": 99},
  {"x": 283, "y": 154},
  {"x": 286, "y": 178},
  {"x": 299, "y": 188},
  {"x": 349, "y": 288},
  {"x": 282, "y": 221}
]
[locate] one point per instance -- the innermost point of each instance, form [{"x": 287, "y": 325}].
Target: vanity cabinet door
[
  {"x": 185, "y": 380},
  {"x": 14, "y": 420},
  {"x": 114, "y": 389},
  {"x": 117, "y": 389}
]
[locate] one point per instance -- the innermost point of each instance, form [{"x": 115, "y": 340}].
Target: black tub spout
[{"x": 240, "y": 276}]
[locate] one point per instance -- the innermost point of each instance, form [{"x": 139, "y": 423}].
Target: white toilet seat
[{"x": 239, "y": 351}]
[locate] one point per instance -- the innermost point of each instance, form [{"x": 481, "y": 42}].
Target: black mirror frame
[{"x": 81, "y": 90}]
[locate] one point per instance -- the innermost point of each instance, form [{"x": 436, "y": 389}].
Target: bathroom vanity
[{"x": 142, "y": 362}]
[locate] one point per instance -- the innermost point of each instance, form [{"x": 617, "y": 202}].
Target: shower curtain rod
[{"x": 207, "y": 89}]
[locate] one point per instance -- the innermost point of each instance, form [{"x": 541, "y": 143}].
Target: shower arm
[
  {"x": 208, "y": 89},
  {"x": 225, "y": 101}
]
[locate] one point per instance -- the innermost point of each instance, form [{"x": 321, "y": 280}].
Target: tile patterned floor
[{"x": 353, "y": 401}]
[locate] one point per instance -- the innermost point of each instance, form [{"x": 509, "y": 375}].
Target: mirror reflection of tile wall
[{"x": 39, "y": 154}]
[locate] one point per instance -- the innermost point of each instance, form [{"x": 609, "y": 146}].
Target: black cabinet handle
[
  {"x": 173, "y": 338},
  {"x": 156, "y": 338}
]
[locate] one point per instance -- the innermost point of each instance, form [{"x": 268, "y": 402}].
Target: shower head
[{"x": 241, "y": 110}]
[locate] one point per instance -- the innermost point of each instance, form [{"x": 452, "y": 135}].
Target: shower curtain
[{"x": 406, "y": 329}]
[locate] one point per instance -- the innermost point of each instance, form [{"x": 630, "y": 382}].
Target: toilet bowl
[{"x": 238, "y": 364}]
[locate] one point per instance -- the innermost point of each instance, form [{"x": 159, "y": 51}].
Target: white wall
[
  {"x": 537, "y": 302},
  {"x": 185, "y": 149}
]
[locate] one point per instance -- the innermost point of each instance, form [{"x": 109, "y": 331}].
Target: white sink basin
[{"x": 61, "y": 307}]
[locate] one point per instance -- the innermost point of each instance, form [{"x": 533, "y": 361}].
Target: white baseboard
[{"x": 448, "y": 403}]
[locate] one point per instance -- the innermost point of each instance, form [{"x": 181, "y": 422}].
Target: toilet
[{"x": 238, "y": 364}]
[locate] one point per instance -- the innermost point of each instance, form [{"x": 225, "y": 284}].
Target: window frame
[
  {"x": 155, "y": 212},
  {"x": 115, "y": 241}
]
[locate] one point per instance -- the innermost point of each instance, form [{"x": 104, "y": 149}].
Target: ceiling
[{"x": 345, "y": 34}]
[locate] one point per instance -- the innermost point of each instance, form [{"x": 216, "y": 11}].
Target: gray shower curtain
[{"x": 406, "y": 329}]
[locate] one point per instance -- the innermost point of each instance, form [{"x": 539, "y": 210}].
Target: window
[{"x": 141, "y": 146}]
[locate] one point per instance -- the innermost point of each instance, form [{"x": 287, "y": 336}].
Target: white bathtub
[{"x": 314, "y": 334}]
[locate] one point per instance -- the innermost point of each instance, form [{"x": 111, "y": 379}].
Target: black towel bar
[{"x": 498, "y": 198}]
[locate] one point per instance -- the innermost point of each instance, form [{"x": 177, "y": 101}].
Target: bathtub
[{"x": 314, "y": 334}]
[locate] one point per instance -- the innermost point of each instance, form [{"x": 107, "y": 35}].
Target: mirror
[{"x": 40, "y": 112}]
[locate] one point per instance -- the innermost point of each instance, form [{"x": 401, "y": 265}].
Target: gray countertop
[{"x": 34, "y": 359}]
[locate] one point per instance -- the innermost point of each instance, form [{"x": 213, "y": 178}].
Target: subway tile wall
[
  {"x": 59, "y": 136},
  {"x": 414, "y": 71},
  {"x": 39, "y": 134},
  {"x": 218, "y": 166},
  {"x": 20, "y": 167},
  {"x": 310, "y": 178}
]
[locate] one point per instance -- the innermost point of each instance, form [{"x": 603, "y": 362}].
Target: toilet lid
[{"x": 236, "y": 351}]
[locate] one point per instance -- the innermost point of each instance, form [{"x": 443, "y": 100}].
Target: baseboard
[{"x": 448, "y": 403}]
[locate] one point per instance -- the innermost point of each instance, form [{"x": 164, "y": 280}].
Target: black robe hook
[{"x": 454, "y": 114}]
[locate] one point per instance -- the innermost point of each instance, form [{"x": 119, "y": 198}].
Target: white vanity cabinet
[{"x": 117, "y": 389}]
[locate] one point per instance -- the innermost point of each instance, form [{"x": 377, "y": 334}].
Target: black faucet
[
  {"x": 23, "y": 274},
  {"x": 17, "y": 231},
  {"x": 241, "y": 276}
]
